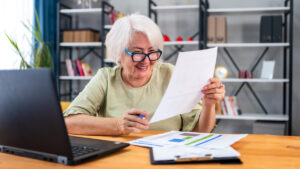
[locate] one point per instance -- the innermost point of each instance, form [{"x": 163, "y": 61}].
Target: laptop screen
[{"x": 30, "y": 113}]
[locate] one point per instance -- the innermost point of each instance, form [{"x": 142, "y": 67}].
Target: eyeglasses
[{"x": 139, "y": 57}]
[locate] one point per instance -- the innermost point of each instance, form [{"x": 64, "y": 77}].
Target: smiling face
[{"x": 137, "y": 74}]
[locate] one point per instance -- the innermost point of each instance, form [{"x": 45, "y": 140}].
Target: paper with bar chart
[{"x": 191, "y": 139}]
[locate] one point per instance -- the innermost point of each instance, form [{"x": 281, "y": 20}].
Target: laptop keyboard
[{"x": 79, "y": 150}]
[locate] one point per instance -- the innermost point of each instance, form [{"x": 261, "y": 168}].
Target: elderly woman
[{"x": 112, "y": 101}]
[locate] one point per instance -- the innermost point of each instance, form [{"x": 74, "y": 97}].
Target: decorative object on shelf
[
  {"x": 179, "y": 39},
  {"x": 120, "y": 15},
  {"x": 166, "y": 38},
  {"x": 114, "y": 15},
  {"x": 249, "y": 75},
  {"x": 244, "y": 74},
  {"x": 221, "y": 72},
  {"x": 86, "y": 3},
  {"x": 40, "y": 48},
  {"x": 190, "y": 39},
  {"x": 267, "y": 69}
]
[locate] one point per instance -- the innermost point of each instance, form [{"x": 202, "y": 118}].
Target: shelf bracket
[
  {"x": 178, "y": 48},
  {"x": 259, "y": 59},
  {"x": 254, "y": 94}
]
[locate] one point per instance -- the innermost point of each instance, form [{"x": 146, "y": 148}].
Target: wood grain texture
[{"x": 257, "y": 151}]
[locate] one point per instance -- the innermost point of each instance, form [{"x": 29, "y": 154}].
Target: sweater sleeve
[
  {"x": 91, "y": 98},
  {"x": 189, "y": 120}
]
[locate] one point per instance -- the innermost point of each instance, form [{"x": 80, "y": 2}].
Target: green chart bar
[{"x": 200, "y": 139}]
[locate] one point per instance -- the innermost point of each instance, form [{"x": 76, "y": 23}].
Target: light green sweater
[{"x": 106, "y": 95}]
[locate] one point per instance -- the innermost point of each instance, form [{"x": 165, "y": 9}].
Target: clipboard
[{"x": 184, "y": 160}]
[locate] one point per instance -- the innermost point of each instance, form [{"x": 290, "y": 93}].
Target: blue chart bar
[
  {"x": 176, "y": 140},
  {"x": 147, "y": 144},
  {"x": 207, "y": 140}
]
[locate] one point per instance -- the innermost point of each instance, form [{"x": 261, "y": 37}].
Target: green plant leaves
[{"x": 40, "y": 48}]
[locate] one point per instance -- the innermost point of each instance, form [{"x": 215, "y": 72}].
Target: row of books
[
  {"x": 228, "y": 106},
  {"x": 78, "y": 68},
  {"x": 81, "y": 35},
  {"x": 271, "y": 28},
  {"x": 216, "y": 29}
]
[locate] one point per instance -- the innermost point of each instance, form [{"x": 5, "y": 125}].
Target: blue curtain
[{"x": 46, "y": 10}]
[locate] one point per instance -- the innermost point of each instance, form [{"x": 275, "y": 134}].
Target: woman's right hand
[{"x": 131, "y": 122}]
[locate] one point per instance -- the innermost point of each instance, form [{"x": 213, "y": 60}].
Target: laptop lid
[{"x": 30, "y": 114}]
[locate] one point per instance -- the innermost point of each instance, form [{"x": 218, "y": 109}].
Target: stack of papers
[{"x": 176, "y": 145}]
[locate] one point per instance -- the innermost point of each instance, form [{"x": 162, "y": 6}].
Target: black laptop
[{"x": 32, "y": 123}]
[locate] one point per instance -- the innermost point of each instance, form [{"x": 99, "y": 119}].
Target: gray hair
[{"x": 119, "y": 37}]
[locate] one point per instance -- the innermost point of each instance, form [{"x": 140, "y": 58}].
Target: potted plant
[{"x": 40, "y": 49}]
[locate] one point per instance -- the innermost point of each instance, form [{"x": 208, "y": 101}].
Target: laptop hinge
[
  {"x": 1, "y": 148},
  {"x": 62, "y": 160}
]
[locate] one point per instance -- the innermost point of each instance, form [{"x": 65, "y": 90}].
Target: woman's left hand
[{"x": 213, "y": 92}]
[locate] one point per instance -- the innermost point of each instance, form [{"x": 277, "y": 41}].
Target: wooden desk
[{"x": 257, "y": 151}]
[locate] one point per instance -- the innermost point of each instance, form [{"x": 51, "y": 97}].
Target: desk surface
[{"x": 257, "y": 151}]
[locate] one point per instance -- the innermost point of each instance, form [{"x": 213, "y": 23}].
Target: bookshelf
[
  {"x": 67, "y": 50},
  {"x": 203, "y": 9}
]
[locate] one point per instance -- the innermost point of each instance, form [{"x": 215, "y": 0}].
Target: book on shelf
[
  {"x": 271, "y": 28},
  {"x": 69, "y": 67},
  {"x": 87, "y": 69},
  {"x": 228, "y": 106},
  {"x": 277, "y": 28},
  {"x": 112, "y": 17},
  {"x": 223, "y": 108},
  {"x": 236, "y": 105},
  {"x": 221, "y": 29},
  {"x": 219, "y": 111},
  {"x": 79, "y": 62},
  {"x": 211, "y": 29},
  {"x": 216, "y": 29},
  {"x": 81, "y": 35},
  {"x": 75, "y": 69},
  {"x": 78, "y": 68}
]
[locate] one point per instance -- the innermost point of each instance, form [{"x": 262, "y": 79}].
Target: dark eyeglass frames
[{"x": 139, "y": 57}]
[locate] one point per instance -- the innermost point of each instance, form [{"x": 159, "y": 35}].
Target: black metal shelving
[
  {"x": 204, "y": 10},
  {"x": 67, "y": 13}
]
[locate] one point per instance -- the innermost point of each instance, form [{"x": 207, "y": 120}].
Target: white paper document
[
  {"x": 189, "y": 139},
  {"x": 175, "y": 152},
  {"x": 192, "y": 72}
]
